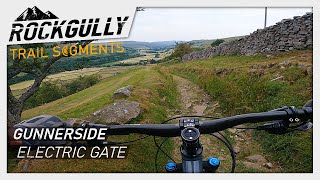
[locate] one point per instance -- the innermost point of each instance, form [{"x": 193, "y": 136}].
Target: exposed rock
[
  {"x": 97, "y": 112},
  {"x": 24, "y": 165},
  {"x": 236, "y": 149},
  {"x": 285, "y": 64},
  {"x": 75, "y": 122},
  {"x": 199, "y": 109},
  {"x": 279, "y": 78},
  {"x": 188, "y": 105},
  {"x": 289, "y": 34},
  {"x": 268, "y": 165},
  {"x": 256, "y": 158},
  {"x": 120, "y": 112},
  {"x": 269, "y": 56},
  {"x": 123, "y": 92},
  {"x": 251, "y": 165},
  {"x": 309, "y": 71},
  {"x": 271, "y": 65},
  {"x": 256, "y": 72},
  {"x": 222, "y": 71},
  {"x": 240, "y": 126},
  {"x": 301, "y": 65},
  {"x": 232, "y": 130},
  {"x": 163, "y": 100},
  {"x": 239, "y": 139}
]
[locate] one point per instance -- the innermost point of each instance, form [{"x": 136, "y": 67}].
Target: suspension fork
[{"x": 191, "y": 151}]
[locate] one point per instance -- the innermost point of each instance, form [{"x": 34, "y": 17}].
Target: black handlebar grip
[{"x": 309, "y": 103}]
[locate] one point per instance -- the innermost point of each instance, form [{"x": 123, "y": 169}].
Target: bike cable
[
  {"x": 228, "y": 144},
  {"x": 157, "y": 153}
]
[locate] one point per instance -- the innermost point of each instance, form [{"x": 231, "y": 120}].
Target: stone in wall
[{"x": 286, "y": 35}]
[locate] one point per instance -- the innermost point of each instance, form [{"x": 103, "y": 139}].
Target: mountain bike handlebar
[
  {"x": 287, "y": 114},
  {"x": 190, "y": 128}
]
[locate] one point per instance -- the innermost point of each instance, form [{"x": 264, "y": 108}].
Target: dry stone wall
[{"x": 289, "y": 34}]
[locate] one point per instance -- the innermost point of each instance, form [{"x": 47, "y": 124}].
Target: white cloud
[{"x": 162, "y": 24}]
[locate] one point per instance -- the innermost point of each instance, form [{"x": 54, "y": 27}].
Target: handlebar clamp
[
  {"x": 296, "y": 115},
  {"x": 193, "y": 122}
]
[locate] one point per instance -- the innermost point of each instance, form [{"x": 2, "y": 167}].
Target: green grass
[
  {"x": 150, "y": 87},
  {"x": 231, "y": 81},
  {"x": 292, "y": 150},
  {"x": 228, "y": 79},
  {"x": 83, "y": 103}
]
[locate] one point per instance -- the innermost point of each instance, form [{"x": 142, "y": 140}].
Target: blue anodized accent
[
  {"x": 170, "y": 166},
  {"x": 214, "y": 162}
]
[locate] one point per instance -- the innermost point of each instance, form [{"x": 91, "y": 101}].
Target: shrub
[
  {"x": 82, "y": 82},
  {"x": 181, "y": 49},
  {"x": 52, "y": 90},
  {"x": 217, "y": 42},
  {"x": 48, "y": 91}
]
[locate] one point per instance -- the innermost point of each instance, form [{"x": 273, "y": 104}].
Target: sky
[{"x": 185, "y": 24}]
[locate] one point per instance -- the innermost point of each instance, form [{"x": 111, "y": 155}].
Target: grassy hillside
[
  {"x": 150, "y": 86},
  {"x": 241, "y": 84},
  {"x": 245, "y": 84}
]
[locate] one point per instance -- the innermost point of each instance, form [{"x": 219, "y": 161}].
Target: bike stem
[
  {"x": 191, "y": 149},
  {"x": 191, "y": 152}
]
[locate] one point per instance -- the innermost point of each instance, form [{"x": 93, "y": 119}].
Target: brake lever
[
  {"x": 282, "y": 127},
  {"x": 275, "y": 127},
  {"x": 304, "y": 127}
]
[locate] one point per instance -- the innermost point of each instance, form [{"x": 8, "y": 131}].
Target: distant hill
[
  {"x": 149, "y": 45},
  {"x": 203, "y": 43},
  {"x": 158, "y": 45}
]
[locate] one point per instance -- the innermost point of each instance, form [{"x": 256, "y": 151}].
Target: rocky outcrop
[
  {"x": 289, "y": 34},
  {"x": 119, "y": 112},
  {"x": 75, "y": 122},
  {"x": 123, "y": 92}
]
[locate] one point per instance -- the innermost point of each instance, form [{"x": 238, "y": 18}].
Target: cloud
[{"x": 162, "y": 24}]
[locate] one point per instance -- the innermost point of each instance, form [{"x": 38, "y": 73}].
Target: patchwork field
[
  {"x": 147, "y": 56},
  {"x": 103, "y": 72}
]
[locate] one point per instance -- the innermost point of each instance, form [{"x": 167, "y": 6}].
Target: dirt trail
[{"x": 194, "y": 101}]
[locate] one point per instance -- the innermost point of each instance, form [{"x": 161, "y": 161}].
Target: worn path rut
[{"x": 194, "y": 101}]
